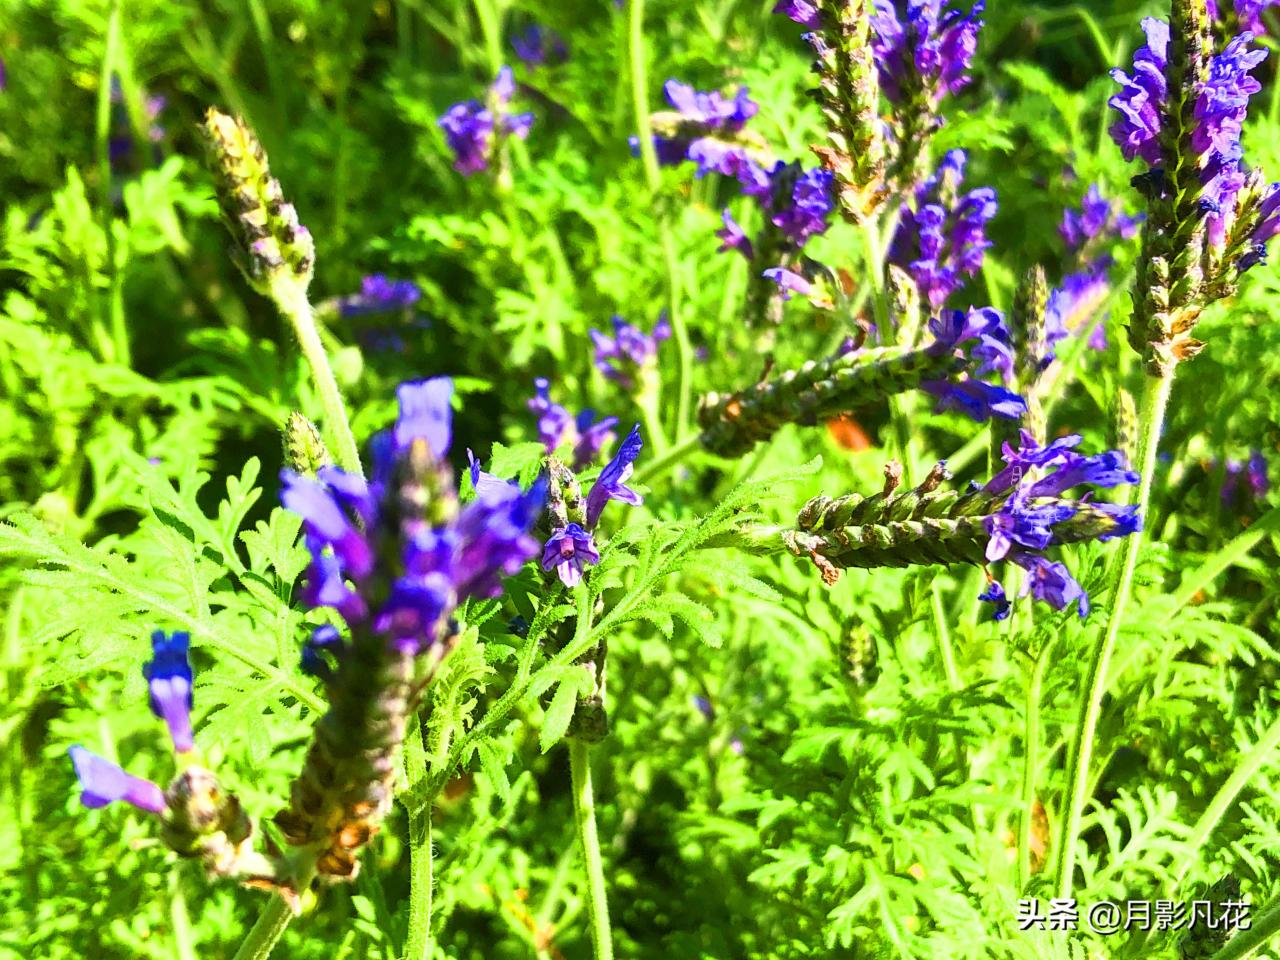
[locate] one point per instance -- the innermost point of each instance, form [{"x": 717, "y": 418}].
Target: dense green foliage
[{"x": 844, "y": 789}]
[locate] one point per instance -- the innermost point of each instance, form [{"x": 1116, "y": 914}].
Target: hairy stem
[
  {"x": 275, "y": 917},
  {"x": 584, "y": 814},
  {"x": 417, "y": 944},
  {"x": 1155, "y": 401},
  {"x": 291, "y": 300}
]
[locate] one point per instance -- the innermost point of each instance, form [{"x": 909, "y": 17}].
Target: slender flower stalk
[
  {"x": 584, "y": 815},
  {"x": 1181, "y": 112},
  {"x": 276, "y": 254}
]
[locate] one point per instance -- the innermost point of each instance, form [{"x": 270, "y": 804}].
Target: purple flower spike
[
  {"x": 470, "y": 127},
  {"x": 932, "y": 45},
  {"x": 379, "y": 294},
  {"x": 168, "y": 675},
  {"x": 425, "y": 414},
  {"x": 538, "y": 45},
  {"x": 568, "y": 552},
  {"x": 804, "y": 213},
  {"x": 1021, "y": 522},
  {"x": 1142, "y": 96},
  {"x": 624, "y": 356},
  {"x": 611, "y": 484},
  {"x": 732, "y": 238},
  {"x": 939, "y": 242},
  {"x": 102, "y": 782}
]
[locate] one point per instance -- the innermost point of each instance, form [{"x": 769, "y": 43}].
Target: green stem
[
  {"x": 584, "y": 814},
  {"x": 183, "y": 944},
  {"x": 417, "y": 945},
  {"x": 653, "y": 178},
  {"x": 1245, "y": 942},
  {"x": 274, "y": 918},
  {"x": 117, "y": 343},
  {"x": 1031, "y": 760},
  {"x": 1155, "y": 401},
  {"x": 673, "y": 454},
  {"x": 291, "y": 299}
]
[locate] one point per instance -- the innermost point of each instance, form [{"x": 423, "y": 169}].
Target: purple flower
[
  {"x": 732, "y": 238},
  {"x": 940, "y": 241},
  {"x": 987, "y": 335},
  {"x": 976, "y": 399},
  {"x": 1021, "y": 522},
  {"x": 568, "y": 552},
  {"x": 789, "y": 282},
  {"x": 439, "y": 562},
  {"x": 1074, "y": 303},
  {"x": 708, "y": 115},
  {"x": 102, "y": 782},
  {"x": 624, "y": 356},
  {"x": 1051, "y": 582},
  {"x": 994, "y": 594},
  {"x": 802, "y": 12},
  {"x": 557, "y": 426},
  {"x": 1097, "y": 217},
  {"x": 1253, "y": 472},
  {"x": 1142, "y": 96},
  {"x": 1220, "y": 106},
  {"x": 1070, "y": 469},
  {"x": 611, "y": 484},
  {"x": 168, "y": 675},
  {"x": 538, "y": 45},
  {"x": 923, "y": 44},
  {"x": 379, "y": 294},
  {"x": 1247, "y": 12},
  {"x": 469, "y": 127},
  {"x": 323, "y": 638},
  {"x": 804, "y": 213}
]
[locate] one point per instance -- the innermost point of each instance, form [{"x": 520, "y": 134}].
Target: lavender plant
[{"x": 855, "y": 665}]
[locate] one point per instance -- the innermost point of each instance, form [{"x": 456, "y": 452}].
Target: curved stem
[
  {"x": 417, "y": 944},
  {"x": 291, "y": 300},
  {"x": 1155, "y": 400},
  {"x": 653, "y": 178},
  {"x": 584, "y": 814}
]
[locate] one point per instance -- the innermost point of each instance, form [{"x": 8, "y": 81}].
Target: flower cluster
[
  {"x": 474, "y": 130},
  {"x": 571, "y": 548},
  {"x": 1209, "y": 216},
  {"x": 923, "y": 47},
  {"x": 628, "y": 355},
  {"x": 557, "y": 426},
  {"x": 168, "y": 676},
  {"x": 986, "y": 336},
  {"x": 538, "y": 46},
  {"x": 1035, "y": 478},
  {"x": 705, "y": 128},
  {"x": 380, "y": 294},
  {"x": 1016, "y": 516},
  {"x": 849, "y": 95},
  {"x": 941, "y": 236},
  {"x": 1088, "y": 234},
  {"x": 383, "y": 567}
]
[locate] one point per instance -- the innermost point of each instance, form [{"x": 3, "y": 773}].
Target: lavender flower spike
[
  {"x": 474, "y": 130},
  {"x": 102, "y": 782},
  {"x": 611, "y": 484},
  {"x": 168, "y": 676},
  {"x": 630, "y": 352}
]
